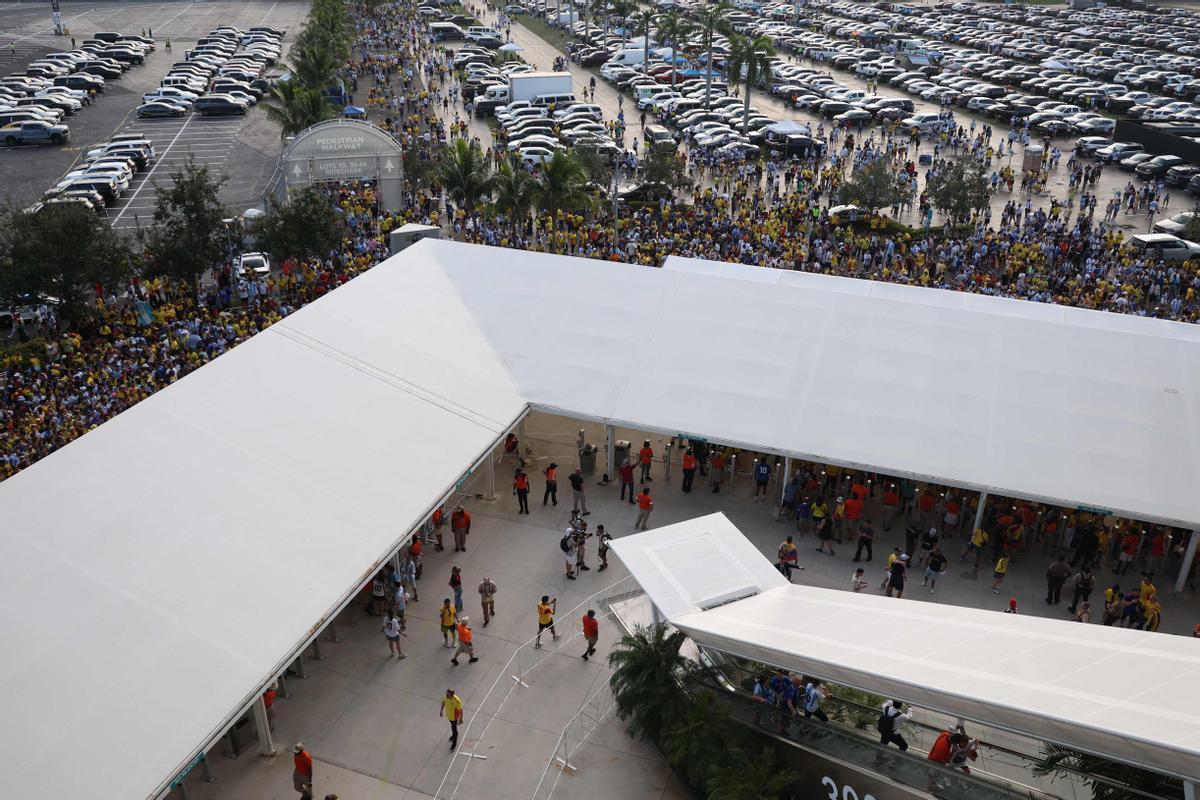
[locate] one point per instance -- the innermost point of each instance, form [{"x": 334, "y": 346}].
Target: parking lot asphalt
[
  {"x": 541, "y": 54},
  {"x": 244, "y": 150}
]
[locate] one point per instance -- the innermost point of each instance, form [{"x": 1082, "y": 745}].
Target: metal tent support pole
[
  {"x": 983, "y": 497},
  {"x": 206, "y": 773},
  {"x": 1186, "y": 567},
  {"x": 491, "y": 476},
  {"x": 282, "y": 682},
  {"x": 1189, "y": 787},
  {"x": 300, "y": 666},
  {"x": 522, "y": 442},
  {"x": 332, "y": 634},
  {"x": 266, "y": 746},
  {"x": 654, "y": 615},
  {"x": 610, "y": 435},
  {"x": 667, "y": 460},
  {"x": 316, "y": 650},
  {"x": 785, "y": 478}
]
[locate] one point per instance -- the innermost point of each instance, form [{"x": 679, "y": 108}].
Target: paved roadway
[{"x": 245, "y": 150}]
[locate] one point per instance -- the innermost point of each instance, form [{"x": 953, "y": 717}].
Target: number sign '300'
[{"x": 848, "y": 792}]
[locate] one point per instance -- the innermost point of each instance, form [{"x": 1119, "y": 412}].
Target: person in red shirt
[
  {"x": 645, "y": 506},
  {"x": 591, "y": 632},
  {"x": 303, "y": 772},
  {"x": 460, "y": 526},
  {"x": 521, "y": 490},
  {"x": 626, "y": 475},
  {"x": 645, "y": 458},
  {"x": 925, "y": 504},
  {"x": 439, "y": 519},
  {"x": 414, "y": 550},
  {"x": 689, "y": 469},
  {"x": 854, "y": 509},
  {"x": 716, "y": 471},
  {"x": 269, "y": 703},
  {"x": 891, "y": 505},
  {"x": 551, "y": 493}
]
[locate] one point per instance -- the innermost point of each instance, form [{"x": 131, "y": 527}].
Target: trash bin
[
  {"x": 587, "y": 458},
  {"x": 621, "y": 450},
  {"x": 1032, "y": 161}
]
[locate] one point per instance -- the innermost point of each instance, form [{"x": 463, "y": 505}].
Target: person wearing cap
[
  {"x": 302, "y": 773},
  {"x": 487, "y": 597},
  {"x": 452, "y": 710},
  {"x": 465, "y": 643}
]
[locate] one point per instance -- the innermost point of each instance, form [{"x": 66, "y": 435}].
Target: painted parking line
[{"x": 150, "y": 174}]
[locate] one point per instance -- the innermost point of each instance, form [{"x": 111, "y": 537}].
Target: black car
[
  {"x": 103, "y": 70},
  {"x": 89, "y": 83},
  {"x": 645, "y": 193},
  {"x": 1181, "y": 175},
  {"x": 831, "y": 108},
  {"x": 1157, "y": 166},
  {"x": 1193, "y": 186},
  {"x": 218, "y": 106}
]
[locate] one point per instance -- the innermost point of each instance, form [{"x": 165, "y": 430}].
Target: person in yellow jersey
[
  {"x": 545, "y": 611},
  {"x": 452, "y": 710},
  {"x": 978, "y": 539},
  {"x": 998, "y": 574},
  {"x": 448, "y": 616}
]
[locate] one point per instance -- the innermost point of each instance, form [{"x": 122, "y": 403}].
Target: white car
[
  {"x": 653, "y": 101},
  {"x": 537, "y": 154},
  {"x": 533, "y": 140},
  {"x": 172, "y": 93},
  {"x": 258, "y": 263},
  {"x": 1176, "y": 224}
]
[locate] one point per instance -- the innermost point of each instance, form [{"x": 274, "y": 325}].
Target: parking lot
[{"x": 244, "y": 150}]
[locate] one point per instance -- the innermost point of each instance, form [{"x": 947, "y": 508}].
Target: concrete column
[
  {"x": 300, "y": 666},
  {"x": 983, "y": 496},
  {"x": 610, "y": 439},
  {"x": 1189, "y": 556},
  {"x": 316, "y": 650},
  {"x": 266, "y": 745},
  {"x": 332, "y": 634}
]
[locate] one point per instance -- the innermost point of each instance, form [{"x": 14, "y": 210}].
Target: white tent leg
[
  {"x": 266, "y": 746},
  {"x": 610, "y": 434},
  {"x": 1189, "y": 556},
  {"x": 1189, "y": 787},
  {"x": 491, "y": 476},
  {"x": 785, "y": 478},
  {"x": 983, "y": 497}
]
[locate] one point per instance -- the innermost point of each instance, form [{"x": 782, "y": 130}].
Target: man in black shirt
[{"x": 578, "y": 502}]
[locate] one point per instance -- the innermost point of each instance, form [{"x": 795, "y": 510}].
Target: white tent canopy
[
  {"x": 1111, "y": 691},
  {"x": 286, "y": 468}
]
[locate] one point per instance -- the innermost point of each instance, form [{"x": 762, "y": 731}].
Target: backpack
[
  {"x": 886, "y": 724},
  {"x": 563, "y": 545}
]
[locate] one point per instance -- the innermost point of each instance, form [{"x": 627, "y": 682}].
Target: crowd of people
[{"x": 767, "y": 213}]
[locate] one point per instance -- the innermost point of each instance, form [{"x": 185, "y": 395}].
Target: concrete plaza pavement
[{"x": 371, "y": 721}]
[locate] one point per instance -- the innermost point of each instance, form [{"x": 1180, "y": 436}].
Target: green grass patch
[{"x": 538, "y": 26}]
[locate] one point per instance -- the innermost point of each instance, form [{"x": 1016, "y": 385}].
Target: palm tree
[
  {"x": 561, "y": 187},
  {"x": 315, "y": 65},
  {"x": 465, "y": 174},
  {"x": 743, "y": 778},
  {"x": 513, "y": 193},
  {"x": 712, "y": 21},
  {"x": 297, "y": 106},
  {"x": 675, "y": 29},
  {"x": 752, "y": 59},
  {"x": 622, "y": 9},
  {"x": 689, "y": 743},
  {"x": 643, "y": 22},
  {"x": 647, "y": 666}
]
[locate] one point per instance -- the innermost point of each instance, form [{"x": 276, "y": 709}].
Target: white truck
[{"x": 524, "y": 86}]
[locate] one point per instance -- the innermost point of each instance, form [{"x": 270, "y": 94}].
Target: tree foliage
[
  {"x": 465, "y": 173},
  {"x": 296, "y": 106},
  {"x": 1117, "y": 776},
  {"x": 959, "y": 189},
  {"x": 749, "y": 58},
  {"x": 712, "y": 21},
  {"x": 647, "y": 664},
  {"x": 692, "y": 743},
  {"x": 513, "y": 188},
  {"x": 61, "y": 252},
  {"x": 305, "y": 227},
  {"x": 874, "y": 186},
  {"x": 189, "y": 237},
  {"x": 660, "y": 165},
  {"x": 745, "y": 778}
]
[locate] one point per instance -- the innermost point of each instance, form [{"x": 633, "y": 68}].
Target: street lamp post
[{"x": 229, "y": 224}]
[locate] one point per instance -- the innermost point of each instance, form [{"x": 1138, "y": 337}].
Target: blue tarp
[{"x": 354, "y": 111}]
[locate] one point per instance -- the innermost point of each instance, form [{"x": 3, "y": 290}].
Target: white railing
[
  {"x": 593, "y": 712},
  {"x": 515, "y": 675}
]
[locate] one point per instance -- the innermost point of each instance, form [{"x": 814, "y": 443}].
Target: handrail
[
  {"x": 1029, "y": 759},
  {"x": 1004, "y": 786}
]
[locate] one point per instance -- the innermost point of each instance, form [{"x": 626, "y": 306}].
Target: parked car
[{"x": 34, "y": 132}]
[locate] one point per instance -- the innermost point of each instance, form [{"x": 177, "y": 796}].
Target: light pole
[
  {"x": 54, "y": 12},
  {"x": 229, "y": 223}
]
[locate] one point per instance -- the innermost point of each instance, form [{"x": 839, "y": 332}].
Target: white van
[
  {"x": 627, "y": 58},
  {"x": 554, "y": 100}
]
